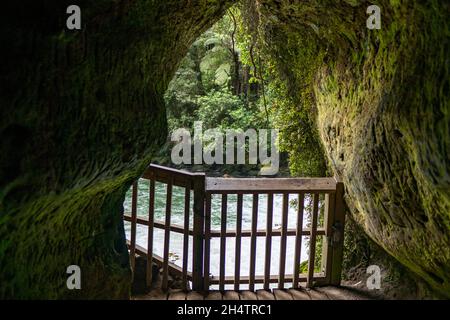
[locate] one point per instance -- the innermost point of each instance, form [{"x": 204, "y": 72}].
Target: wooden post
[
  {"x": 338, "y": 235},
  {"x": 133, "y": 227},
  {"x": 283, "y": 240},
  {"x": 312, "y": 241},
  {"x": 268, "y": 241},
  {"x": 237, "y": 263},
  {"x": 198, "y": 231},
  {"x": 298, "y": 240},
  {"x": 187, "y": 207},
  {"x": 151, "y": 214},
  {"x": 253, "y": 242},
  {"x": 165, "y": 278}
]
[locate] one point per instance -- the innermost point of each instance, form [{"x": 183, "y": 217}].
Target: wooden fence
[{"x": 326, "y": 191}]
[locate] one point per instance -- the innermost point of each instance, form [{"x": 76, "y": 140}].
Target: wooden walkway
[{"x": 324, "y": 293}]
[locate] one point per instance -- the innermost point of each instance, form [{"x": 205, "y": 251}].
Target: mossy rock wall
[
  {"x": 381, "y": 100},
  {"x": 81, "y": 115}
]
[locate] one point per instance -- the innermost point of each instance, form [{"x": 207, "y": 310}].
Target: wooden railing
[{"x": 326, "y": 191}]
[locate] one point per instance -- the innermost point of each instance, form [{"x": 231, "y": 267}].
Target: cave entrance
[{"x": 223, "y": 84}]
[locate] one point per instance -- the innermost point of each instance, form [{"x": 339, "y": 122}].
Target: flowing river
[{"x": 177, "y": 217}]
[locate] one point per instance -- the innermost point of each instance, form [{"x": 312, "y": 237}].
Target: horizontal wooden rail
[
  {"x": 261, "y": 279},
  {"x": 269, "y": 185},
  {"x": 229, "y": 233}
]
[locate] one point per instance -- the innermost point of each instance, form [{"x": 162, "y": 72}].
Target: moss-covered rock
[
  {"x": 81, "y": 115},
  {"x": 382, "y": 109}
]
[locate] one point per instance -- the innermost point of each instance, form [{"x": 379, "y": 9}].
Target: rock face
[
  {"x": 82, "y": 113},
  {"x": 383, "y": 114}
]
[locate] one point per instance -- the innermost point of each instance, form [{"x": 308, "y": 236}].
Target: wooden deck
[{"x": 324, "y": 293}]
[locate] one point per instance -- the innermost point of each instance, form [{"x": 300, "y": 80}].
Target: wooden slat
[
  {"x": 214, "y": 295},
  {"x": 162, "y": 174},
  {"x": 165, "y": 278},
  {"x": 187, "y": 202},
  {"x": 312, "y": 240},
  {"x": 253, "y": 242},
  {"x": 231, "y": 295},
  {"x": 237, "y": 259},
  {"x": 178, "y": 295},
  {"x": 134, "y": 198},
  {"x": 268, "y": 256},
  {"x": 282, "y": 295},
  {"x": 267, "y": 185},
  {"x": 299, "y": 294},
  {"x": 264, "y": 295},
  {"x": 207, "y": 258},
  {"x": 298, "y": 239},
  {"x": 283, "y": 242},
  {"x": 327, "y": 248},
  {"x": 248, "y": 295},
  {"x": 193, "y": 295},
  {"x": 223, "y": 242},
  {"x": 151, "y": 217},
  {"x": 199, "y": 225}
]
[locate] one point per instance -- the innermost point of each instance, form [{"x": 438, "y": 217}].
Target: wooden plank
[
  {"x": 299, "y": 294},
  {"x": 199, "y": 225},
  {"x": 231, "y": 295},
  {"x": 248, "y": 295},
  {"x": 283, "y": 242},
  {"x": 187, "y": 202},
  {"x": 282, "y": 295},
  {"x": 312, "y": 240},
  {"x": 317, "y": 295},
  {"x": 264, "y": 295},
  {"x": 162, "y": 174},
  {"x": 298, "y": 239},
  {"x": 237, "y": 259},
  {"x": 165, "y": 277},
  {"x": 206, "y": 262},
  {"x": 134, "y": 199},
  {"x": 214, "y": 295},
  {"x": 223, "y": 242},
  {"x": 327, "y": 246},
  {"x": 253, "y": 242},
  {"x": 268, "y": 241},
  {"x": 178, "y": 295},
  {"x": 268, "y": 185},
  {"x": 338, "y": 235},
  {"x": 193, "y": 295},
  {"x": 151, "y": 217}
]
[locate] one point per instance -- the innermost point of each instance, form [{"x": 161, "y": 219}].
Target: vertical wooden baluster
[
  {"x": 223, "y": 242},
  {"x": 164, "y": 285},
  {"x": 198, "y": 232},
  {"x": 268, "y": 241},
  {"x": 298, "y": 240},
  {"x": 283, "y": 240},
  {"x": 207, "y": 240},
  {"x": 253, "y": 242},
  {"x": 151, "y": 219},
  {"x": 187, "y": 203},
  {"x": 327, "y": 241},
  {"x": 237, "y": 266},
  {"x": 134, "y": 199},
  {"x": 312, "y": 241}
]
